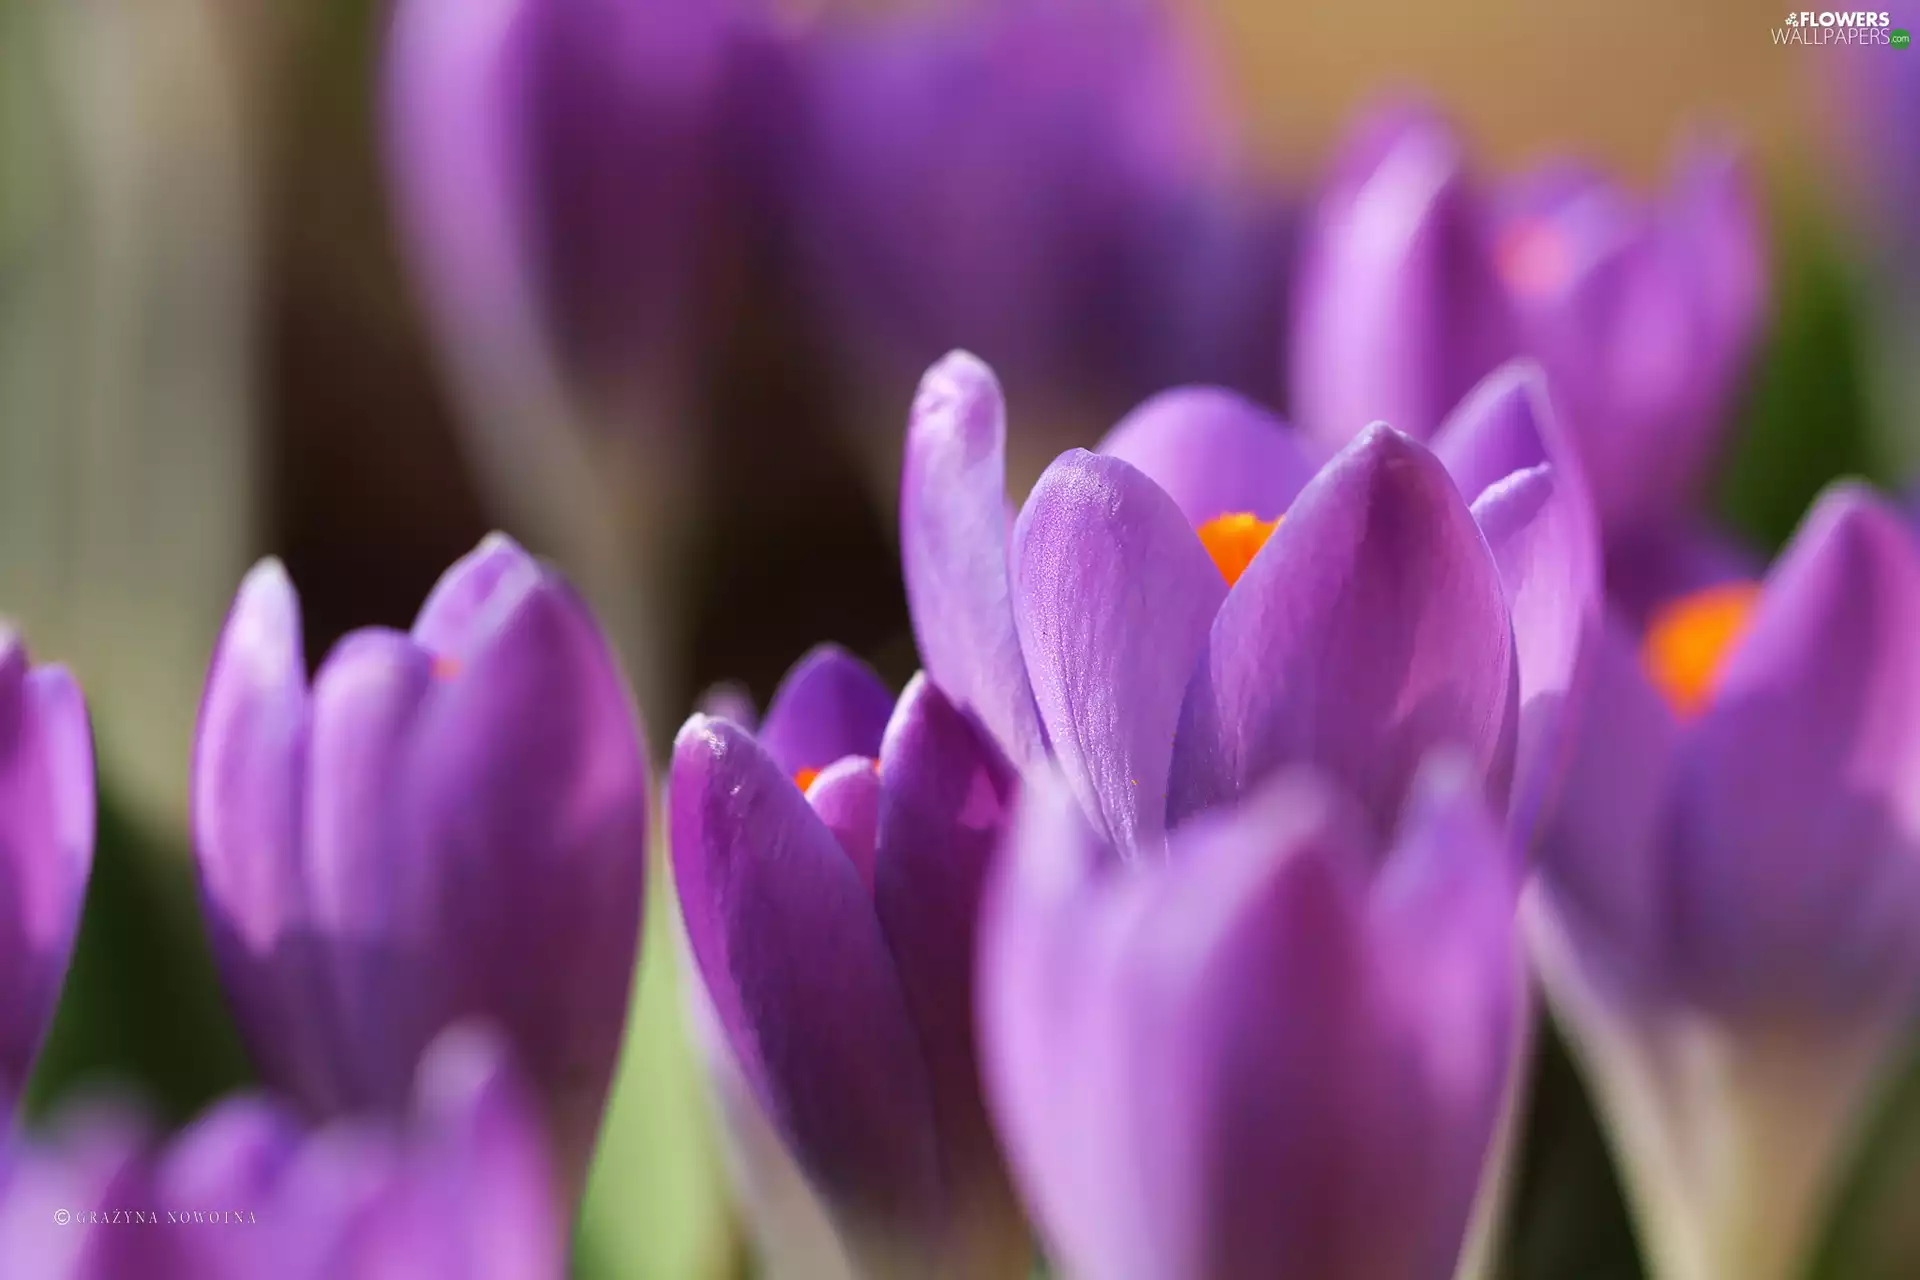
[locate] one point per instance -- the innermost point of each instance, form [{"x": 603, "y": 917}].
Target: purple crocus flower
[
  {"x": 1203, "y": 601},
  {"x": 46, "y": 850},
  {"x": 832, "y": 931},
  {"x": 463, "y": 1190},
  {"x": 1414, "y": 284},
  {"x": 1283, "y": 1050},
  {"x": 1724, "y": 917},
  {"x": 446, "y": 822},
  {"x": 1051, "y": 182},
  {"x": 557, "y": 165}
]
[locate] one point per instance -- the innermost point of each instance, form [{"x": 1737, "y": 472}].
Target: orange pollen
[
  {"x": 1534, "y": 259},
  {"x": 1689, "y": 641},
  {"x": 805, "y": 777},
  {"x": 1234, "y": 540},
  {"x": 444, "y": 668}
]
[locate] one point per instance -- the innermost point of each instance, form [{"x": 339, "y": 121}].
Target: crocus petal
[
  {"x": 488, "y": 578},
  {"x": 1539, "y": 524},
  {"x": 249, "y": 776},
  {"x": 1716, "y": 219},
  {"x": 1504, "y": 425},
  {"x": 1214, "y": 453},
  {"x": 846, "y": 795},
  {"x": 946, "y": 795},
  {"x": 953, "y": 547},
  {"x": 1600, "y": 854},
  {"x": 483, "y": 1142},
  {"x": 1113, "y": 596},
  {"x": 368, "y": 887},
  {"x": 1303, "y": 1072},
  {"x": 532, "y": 746},
  {"x": 46, "y": 850},
  {"x": 231, "y": 1157},
  {"x": 799, "y": 976},
  {"x": 831, "y": 705},
  {"x": 1370, "y": 630},
  {"x": 1399, "y": 309},
  {"x": 1798, "y": 828}
]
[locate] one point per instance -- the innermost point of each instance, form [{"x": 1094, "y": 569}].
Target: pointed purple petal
[
  {"x": 249, "y": 780},
  {"x": 1214, "y": 453},
  {"x": 831, "y": 705},
  {"x": 1399, "y": 310},
  {"x": 1370, "y": 630},
  {"x": 528, "y": 793},
  {"x": 953, "y": 548},
  {"x": 846, "y": 795},
  {"x": 1539, "y": 523},
  {"x": 46, "y": 849},
  {"x": 1113, "y": 596},
  {"x": 490, "y": 577},
  {"x": 484, "y": 1144},
  {"x": 1797, "y": 879},
  {"x": 799, "y": 976},
  {"x": 947, "y": 791}
]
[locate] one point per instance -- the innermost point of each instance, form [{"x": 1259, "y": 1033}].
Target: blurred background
[{"x": 232, "y": 325}]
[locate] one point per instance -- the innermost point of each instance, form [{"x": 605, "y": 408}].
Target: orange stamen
[
  {"x": 1689, "y": 641},
  {"x": 444, "y": 668},
  {"x": 805, "y": 777},
  {"x": 1234, "y": 540}
]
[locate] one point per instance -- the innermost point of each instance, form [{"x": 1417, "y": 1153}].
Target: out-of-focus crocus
[
  {"x": 556, "y": 166},
  {"x": 462, "y": 1191},
  {"x": 830, "y": 878},
  {"x": 1414, "y": 284},
  {"x": 1283, "y": 1050},
  {"x": 46, "y": 851},
  {"x": 1203, "y": 602},
  {"x": 560, "y": 168},
  {"x": 1725, "y": 913},
  {"x": 444, "y": 823},
  {"x": 1050, "y": 182}
]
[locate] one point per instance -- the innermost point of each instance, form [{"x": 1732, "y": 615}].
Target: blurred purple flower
[
  {"x": 1725, "y": 912},
  {"x": 464, "y": 1191},
  {"x": 1206, "y": 573},
  {"x": 46, "y": 851},
  {"x": 557, "y": 164},
  {"x": 1879, "y": 98},
  {"x": 1283, "y": 1050},
  {"x": 1051, "y": 182},
  {"x": 833, "y": 932},
  {"x": 1414, "y": 284},
  {"x": 447, "y": 822}
]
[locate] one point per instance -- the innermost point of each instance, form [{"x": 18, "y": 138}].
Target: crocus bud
[
  {"x": 556, "y": 166},
  {"x": 446, "y": 822},
  {"x": 832, "y": 933},
  {"x": 461, "y": 1189},
  {"x": 1282, "y": 1050},
  {"x": 1724, "y": 917},
  {"x": 1645, "y": 316},
  {"x": 1398, "y": 310},
  {"x": 1052, "y": 184},
  {"x": 46, "y": 851}
]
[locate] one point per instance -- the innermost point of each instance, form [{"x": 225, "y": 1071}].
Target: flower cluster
[{"x": 1195, "y": 911}]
